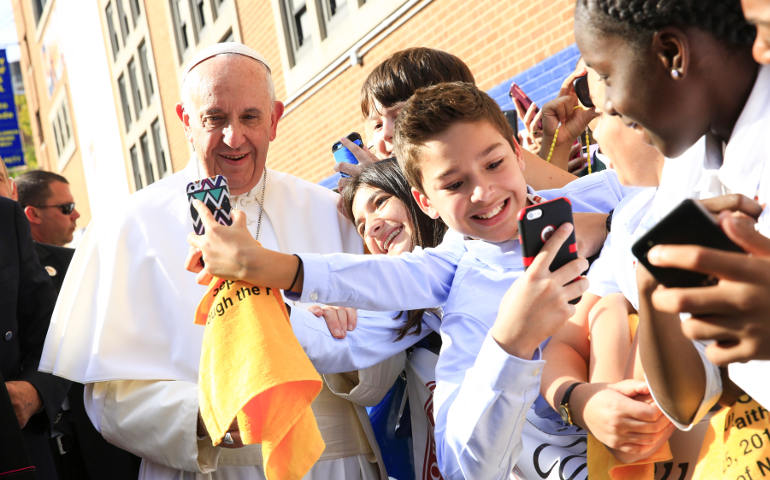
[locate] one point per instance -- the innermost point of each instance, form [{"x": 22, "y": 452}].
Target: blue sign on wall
[{"x": 11, "y": 149}]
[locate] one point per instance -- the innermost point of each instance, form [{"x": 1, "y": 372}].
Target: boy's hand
[
  {"x": 232, "y": 253},
  {"x": 537, "y": 304}
]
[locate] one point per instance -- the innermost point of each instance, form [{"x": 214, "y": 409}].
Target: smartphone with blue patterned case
[{"x": 215, "y": 194}]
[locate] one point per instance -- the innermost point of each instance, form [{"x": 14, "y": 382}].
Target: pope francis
[{"x": 124, "y": 321}]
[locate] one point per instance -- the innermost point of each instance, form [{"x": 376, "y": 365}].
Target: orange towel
[{"x": 253, "y": 368}]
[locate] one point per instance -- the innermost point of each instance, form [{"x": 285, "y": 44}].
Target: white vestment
[{"x": 124, "y": 326}]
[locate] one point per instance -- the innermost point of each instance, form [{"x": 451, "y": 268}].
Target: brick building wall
[{"x": 497, "y": 39}]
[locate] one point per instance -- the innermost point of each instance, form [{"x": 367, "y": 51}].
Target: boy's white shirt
[{"x": 482, "y": 393}]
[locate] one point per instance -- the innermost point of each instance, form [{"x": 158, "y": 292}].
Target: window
[
  {"x": 124, "y": 101},
  {"x": 135, "y": 11},
  {"x": 148, "y": 172},
  {"x": 62, "y": 132},
  {"x": 199, "y": 12},
  {"x": 180, "y": 28},
  {"x": 113, "y": 34},
  {"x": 298, "y": 26},
  {"x": 135, "y": 168},
  {"x": 319, "y": 33},
  {"x": 138, "y": 106},
  {"x": 149, "y": 90},
  {"x": 160, "y": 155},
  {"x": 228, "y": 37},
  {"x": 123, "y": 21},
  {"x": 37, "y": 7}
]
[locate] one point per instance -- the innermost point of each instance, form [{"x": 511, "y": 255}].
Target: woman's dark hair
[
  {"x": 428, "y": 232},
  {"x": 638, "y": 20},
  {"x": 395, "y": 79}
]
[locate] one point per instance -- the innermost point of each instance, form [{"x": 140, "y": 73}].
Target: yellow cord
[
  {"x": 553, "y": 144},
  {"x": 588, "y": 152}
]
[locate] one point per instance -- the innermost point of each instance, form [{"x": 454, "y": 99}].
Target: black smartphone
[
  {"x": 342, "y": 154},
  {"x": 214, "y": 192},
  {"x": 536, "y": 225},
  {"x": 687, "y": 224},
  {"x": 538, "y": 222},
  {"x": 580, "y": 84}
]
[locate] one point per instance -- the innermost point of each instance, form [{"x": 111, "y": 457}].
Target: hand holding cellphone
[
  {"x": 214, "y": 192},
  {"x": 523, "y": 102},
  {"x": 537, "y": 223},
  {"x": 342, "y": 154},
  {"x": 687, "y": 224}
]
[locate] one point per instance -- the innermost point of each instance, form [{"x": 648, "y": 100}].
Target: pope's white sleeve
[
  {"x": 711, "y": 392},
  {"x": 480, "y": 413},
  {"x": 153, "y": 419}
]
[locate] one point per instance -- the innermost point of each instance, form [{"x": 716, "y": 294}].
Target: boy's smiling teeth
[{"x": 491, "y": 213}]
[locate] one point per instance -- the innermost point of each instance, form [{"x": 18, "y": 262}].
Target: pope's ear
[{"x": 424, "y": 203}]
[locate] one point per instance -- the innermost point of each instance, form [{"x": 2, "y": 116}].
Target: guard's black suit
[
  {"x": 27, "y": 297},
  {"x": 81, "y": 453}
]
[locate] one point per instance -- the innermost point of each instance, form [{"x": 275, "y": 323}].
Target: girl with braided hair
[{"x": 682, "y": 72}]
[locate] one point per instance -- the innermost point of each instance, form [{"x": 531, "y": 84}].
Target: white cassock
[{"x": 123, "y": 325}]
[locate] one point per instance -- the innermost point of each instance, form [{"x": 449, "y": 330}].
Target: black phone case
[
  {"x": 687, "y": 224},
  {"x": 215, "y": 194},
  {"x": 533, "y": 232}
]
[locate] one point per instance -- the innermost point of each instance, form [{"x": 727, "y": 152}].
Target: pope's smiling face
[{"x": 229, "y": 118}]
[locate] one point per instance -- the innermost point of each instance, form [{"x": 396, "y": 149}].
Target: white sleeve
[
  {"x": 418, "y": 279},
  {"x": 480, "y": 410},
  {"x": 711, "y": 393},
  {"x": 152, "y": 419},
  {"x": 749, "y": 377},
  {"x": 601, "y": 276},
  {"x": 372, "y": 341}
]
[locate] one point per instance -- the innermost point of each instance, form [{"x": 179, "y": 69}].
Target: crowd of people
[{"x": 413, "y": 273}]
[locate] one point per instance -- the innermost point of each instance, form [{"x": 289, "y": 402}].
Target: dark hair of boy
[
  {"x": 33, "y": 186},
  {"x": 387, "y": 176},
  {"x": 638, "y": 20},
  {"x": 396, "y": 79},
  {"x": 431, "y": 111}
]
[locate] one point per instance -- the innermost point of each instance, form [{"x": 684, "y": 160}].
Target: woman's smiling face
[{"x": 383, "y": 221}]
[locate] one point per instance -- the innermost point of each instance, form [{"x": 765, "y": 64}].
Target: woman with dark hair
[{"x": 389, "y": 221}]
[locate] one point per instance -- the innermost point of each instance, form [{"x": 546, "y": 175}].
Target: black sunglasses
[{"x": 66, "y": 208}]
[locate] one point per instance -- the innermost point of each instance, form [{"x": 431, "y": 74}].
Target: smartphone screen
[
  {"x": 214, "y": 192},
  {"x": 687, "y": 224}
]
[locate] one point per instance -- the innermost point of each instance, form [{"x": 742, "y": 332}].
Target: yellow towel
[
  {"x": 737, "y": 443},
  {"x": 603, "y": 465},
  {"x": 253, "y": 368}
]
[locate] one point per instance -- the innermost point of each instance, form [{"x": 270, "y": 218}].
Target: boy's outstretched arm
[
  {"x": 419, "y": 279},
  {"x": 486, "y": 379}
]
